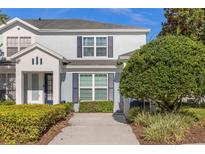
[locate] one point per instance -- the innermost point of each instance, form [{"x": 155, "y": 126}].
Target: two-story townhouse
[{"x": 47, "y": 61}]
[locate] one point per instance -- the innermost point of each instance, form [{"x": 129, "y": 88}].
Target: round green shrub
[{"x": 164, "y": 71}]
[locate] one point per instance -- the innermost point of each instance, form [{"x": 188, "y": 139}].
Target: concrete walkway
[{"x": 96, "y": 128}]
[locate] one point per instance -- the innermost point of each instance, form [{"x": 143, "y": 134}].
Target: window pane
[
  {"x": 88, "y": 41},
  {"x": 35, "y": 87},
  {"x": 88, "y": 51},
  {"x": 25, "y": 42},
  {"x": 11, "y": 82},
  {"x": 101, "y": 41},
  {"x": 86, "y": 80},
  {"x": 101, "y": 51},
  {"x": 100, "y": 94},
  {"x": 2, "y": 95},
  {"x": 12, "y": 41},
  {"x": 11, "y": 51},
  {"x": 2, "y": 81},
  {"x": 86, "y": 94},
  {"x": 100, "y": 80}
]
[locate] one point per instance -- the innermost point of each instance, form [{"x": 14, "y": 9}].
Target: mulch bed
[
  {"x": 196, "y": 135},
  {"x": 54, "y": 130}
]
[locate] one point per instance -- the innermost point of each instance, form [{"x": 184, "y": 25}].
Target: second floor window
[
  {"x": 24, "y": 42},
  {"x": 95, "y": 46},
  {"x": 15, "y": 44},
  {"x": 12, "y": 45}
]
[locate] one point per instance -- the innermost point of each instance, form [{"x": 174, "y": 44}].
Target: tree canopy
[
  {"x": 3, "y": 17},
  {"x": 164, "y": 71},
  {"x": 185, "y": 21}
]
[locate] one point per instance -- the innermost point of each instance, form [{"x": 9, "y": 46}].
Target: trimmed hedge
[
  {"x": 21, "y": 124},
  {"x": 7, "y": 102},
  {"x": 96, "y": 106}
]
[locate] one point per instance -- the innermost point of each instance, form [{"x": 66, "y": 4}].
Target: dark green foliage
[
  {"x": 21, "y": 124},
  {"x": 189, "y": 22},
  {"x": 7, "y": 102},
  {"x": 96, "y": 106},
  {"x": 164, "y": 71}
]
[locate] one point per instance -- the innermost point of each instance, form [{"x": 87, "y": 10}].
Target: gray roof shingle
[
  {"x": 127, "y": 54},
  {"x": 75, "y": 24},
  {"x": 92, "y": 62}
]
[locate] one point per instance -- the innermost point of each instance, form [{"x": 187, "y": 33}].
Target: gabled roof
[
  {"x": 126, "y": 55},
  {"x": 73, "y": 25},
  {"x": 14, "y": 20},
  {"x": 41, "y": 47}
]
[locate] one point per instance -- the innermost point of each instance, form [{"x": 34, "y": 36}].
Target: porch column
[
  {"x": 56, "y": 87},
  {"x": 19, "y": 87}
]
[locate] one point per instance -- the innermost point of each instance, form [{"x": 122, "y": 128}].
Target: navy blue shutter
[
  {"x": 75, "y": 88},
  {"x": 111, "y": 86},
  {"x": 79, "y": 46},
  {"x": 110, "y": 46}
]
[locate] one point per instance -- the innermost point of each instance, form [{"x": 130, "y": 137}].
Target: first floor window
[
  {"x": 11, "y": 86},
  {"x": 86, "y": 86},
  {"x": 100, "y": 86},
  {"x": 7, "y": 86},
  {"x": 2, "y": 87},
  {"x": 93, "y": 86}
]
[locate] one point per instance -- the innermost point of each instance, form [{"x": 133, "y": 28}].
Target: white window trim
[
  {"x": 92, "y": 87},
  {"x": 95, "y": 46}
]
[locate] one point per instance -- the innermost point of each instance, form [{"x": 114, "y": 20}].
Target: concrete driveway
[{"x": 98, "y": 129}]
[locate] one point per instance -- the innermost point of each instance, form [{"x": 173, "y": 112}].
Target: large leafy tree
[
  {"x": 3, "y": 17},
  {"x": 184, "y": 21},
  {"x": 164, "y": 71}
]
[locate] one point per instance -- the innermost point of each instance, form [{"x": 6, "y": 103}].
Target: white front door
[{"x": 35, "y": 92}]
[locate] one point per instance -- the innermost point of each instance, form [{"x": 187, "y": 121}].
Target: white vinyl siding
[
  {"x": 95, "y": 46},
  {"x": 93, "y": 87}
]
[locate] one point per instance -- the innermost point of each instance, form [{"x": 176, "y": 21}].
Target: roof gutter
[{"x": 95, "y": 30}]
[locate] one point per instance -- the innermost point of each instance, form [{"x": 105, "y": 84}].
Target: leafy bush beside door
[{"x": 96, "y": 106}]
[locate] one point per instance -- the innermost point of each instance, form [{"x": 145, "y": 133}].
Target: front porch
[
  {"x": 38, "y": 72},
  {"x": 38, "y": 88}
]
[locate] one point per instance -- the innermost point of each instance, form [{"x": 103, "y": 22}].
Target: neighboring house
[{"x": 49, "y": 61}]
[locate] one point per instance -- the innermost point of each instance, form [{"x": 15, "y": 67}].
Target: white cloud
[{"x": 137, "y": 17}]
